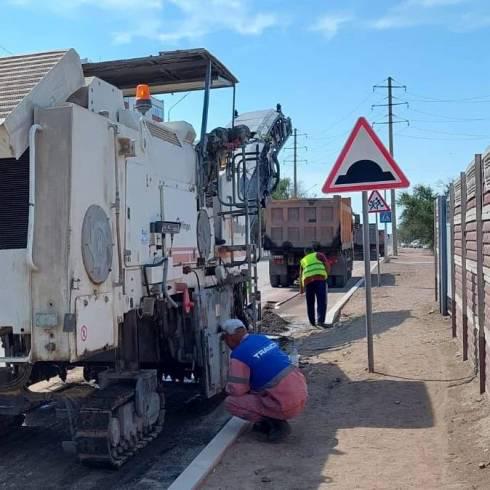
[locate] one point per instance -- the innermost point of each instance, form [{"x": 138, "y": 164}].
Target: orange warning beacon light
[{"x": 143, "y": 98}]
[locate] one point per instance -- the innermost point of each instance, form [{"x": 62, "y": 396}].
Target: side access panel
[{"x": 215, "y": 307}]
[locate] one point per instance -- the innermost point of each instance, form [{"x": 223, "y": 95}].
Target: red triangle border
[{"x": 329, "y": 187}]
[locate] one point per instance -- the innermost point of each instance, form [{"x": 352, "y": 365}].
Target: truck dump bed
[{"x": 297, "y": 223}]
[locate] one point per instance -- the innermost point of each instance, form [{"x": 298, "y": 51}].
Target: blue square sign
[{"x": 385, "y": 217}]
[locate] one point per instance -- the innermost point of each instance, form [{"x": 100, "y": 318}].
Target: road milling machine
[{"x": 124, "y": 241}]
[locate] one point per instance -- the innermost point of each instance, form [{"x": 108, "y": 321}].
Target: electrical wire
[
  {"x": 430, "y": 99},
  {"x": 343, "y": 118},
  {"x": 448, "y": 121},
  {"x": 439, "y": 139},
  {"x": 6, "y": 50},
  {"x": 453, "y": 118},
  {"x": 450, "y": 133}
]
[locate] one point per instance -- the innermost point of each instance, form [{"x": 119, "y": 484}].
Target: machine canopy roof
[{"x": 169, "y": 71}]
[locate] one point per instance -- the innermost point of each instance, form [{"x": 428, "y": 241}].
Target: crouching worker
[{"x": 263, "y": 386}]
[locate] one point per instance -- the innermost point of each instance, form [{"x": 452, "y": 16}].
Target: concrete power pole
[
  {"x": 295, "y": 159},
  {"x": 295, "y": 163},
  {"x": 394, "y": 232},
  {"x": 390, "y": 123}
]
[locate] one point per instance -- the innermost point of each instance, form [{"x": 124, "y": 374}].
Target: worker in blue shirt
[{"x": 263, "y": 386}]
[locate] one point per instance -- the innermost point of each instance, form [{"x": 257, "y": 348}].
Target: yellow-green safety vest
[{"x": 311, "y": 266}]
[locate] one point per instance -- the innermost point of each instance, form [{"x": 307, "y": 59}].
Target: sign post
[
  {"x": 367, "y": 281},
  {"x": 377, "y": 204},
  {"x": 377, "y": 251},
  {"x": 364, "y": 164}
]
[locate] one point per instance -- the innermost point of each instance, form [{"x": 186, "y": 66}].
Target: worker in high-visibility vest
[{"x": 313, "y": 279}]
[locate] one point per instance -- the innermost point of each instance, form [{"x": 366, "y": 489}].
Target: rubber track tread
[{"x": 92, "y": 436}]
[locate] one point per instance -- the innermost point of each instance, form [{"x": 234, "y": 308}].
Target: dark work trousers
[{"x": 318, "y": 290}]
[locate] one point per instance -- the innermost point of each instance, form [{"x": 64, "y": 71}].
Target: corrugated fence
[{"x": 462, "y": 257}]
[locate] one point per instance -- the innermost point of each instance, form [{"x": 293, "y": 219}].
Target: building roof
[
  {"x": 20, "y": 74},
  {"x": 170, "y": 71}
]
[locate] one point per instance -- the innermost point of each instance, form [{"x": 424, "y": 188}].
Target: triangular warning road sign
[
  {"x": 364, "y": 164},
  {"x": 376, "y": 203}
]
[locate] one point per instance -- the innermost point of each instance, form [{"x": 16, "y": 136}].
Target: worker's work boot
[
  {"x": 262, "y": 426},
  {"x": 280, "y": 429}
]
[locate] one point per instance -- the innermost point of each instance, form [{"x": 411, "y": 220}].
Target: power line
[
  {"x": 6, "y": 50},
  {"x": 449, "y": 121},
  {"x": 450, "y": 133},
  {"x": 345, "y": 116},
  {"x": 430, "y": 138},
  {"x": 430, "y": 99},
  {"x": 441, "y": 116}
]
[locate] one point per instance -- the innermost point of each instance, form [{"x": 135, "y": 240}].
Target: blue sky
[{"x": 318, "y": 58}]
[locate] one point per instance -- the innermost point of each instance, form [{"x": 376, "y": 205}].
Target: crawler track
[
  {"x": 99, "y": 439},
  {"x": 7, "y": 423}
]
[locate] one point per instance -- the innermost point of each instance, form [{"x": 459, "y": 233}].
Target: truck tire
[
  {"x": 274, "y": 281},
  {"x": 340, "y": 281}
]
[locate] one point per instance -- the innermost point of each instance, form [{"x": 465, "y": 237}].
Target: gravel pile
[{"x": 272, "y": 323}]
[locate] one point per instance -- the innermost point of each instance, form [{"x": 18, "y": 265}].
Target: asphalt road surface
[{"x": 32, "y": 456}]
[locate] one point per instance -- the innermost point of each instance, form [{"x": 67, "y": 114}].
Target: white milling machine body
[{"x": 123, "y": 243}]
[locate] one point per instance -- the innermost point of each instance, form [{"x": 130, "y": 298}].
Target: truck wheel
[
  {"x": 340, "y": 281},
  {"x": 274, "y": 281}
]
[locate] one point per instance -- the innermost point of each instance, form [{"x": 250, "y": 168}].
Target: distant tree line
[{"x": 417, "y": 216}]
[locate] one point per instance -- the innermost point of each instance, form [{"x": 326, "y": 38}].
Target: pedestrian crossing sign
[{"x": 385, "y": 217}]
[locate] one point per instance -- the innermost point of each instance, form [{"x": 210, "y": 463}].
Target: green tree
[
  {"x": 285, "y": 190},
  {"x": 417, "y": 216},
  {"x": 282, "y": 189}
]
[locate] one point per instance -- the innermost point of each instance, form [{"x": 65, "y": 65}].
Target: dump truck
[
  {"x": 124, "y": 241},
  {"x": 292, "y": 225},
  {"x": 358, "y": 241}
]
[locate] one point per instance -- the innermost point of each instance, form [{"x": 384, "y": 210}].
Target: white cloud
[
  {"x": 409, "y": 13},
  {"x": 330, "y": 24},
  {"x": 198, "y": 18},
  {"x": 169, "y": 20},
  {"x": 436, "y": 3},
  {"x": 62, "y": 6}
]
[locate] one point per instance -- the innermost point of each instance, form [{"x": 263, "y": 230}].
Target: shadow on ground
[
  {"x": 350, "y": 330},
  {"x": 336, "y": 403}
]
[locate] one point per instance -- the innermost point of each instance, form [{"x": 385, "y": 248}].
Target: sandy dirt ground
[{"x": 417, "y": 422}]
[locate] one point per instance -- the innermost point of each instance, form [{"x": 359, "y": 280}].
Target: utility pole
[
  {"x": 390, "y": 123},
  {"x": 295, "y": 160},
  {"x": 394, "y": 233},
  {"x": 295, "y": 163}
]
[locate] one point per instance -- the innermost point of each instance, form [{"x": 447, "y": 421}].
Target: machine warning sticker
[{"x": 84, "y": 333}]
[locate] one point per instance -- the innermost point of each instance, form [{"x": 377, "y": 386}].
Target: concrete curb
[
  {"x": 334, "y": 314},
  {"x": 192, "y": 477}
]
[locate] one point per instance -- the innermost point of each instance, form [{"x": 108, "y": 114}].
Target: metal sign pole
[
  {"x": 377, "y": 251},
  {"x": 367, "y": 280}
]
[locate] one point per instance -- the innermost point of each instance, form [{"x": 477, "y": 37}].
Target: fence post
[
  {"x": 464, "y": 298},
  {"x": 442, "y": 240},
  {"x": 479, "y": 271},
  {"x": 453, "y": 263},
  {"x": 436, "y": 245}
]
